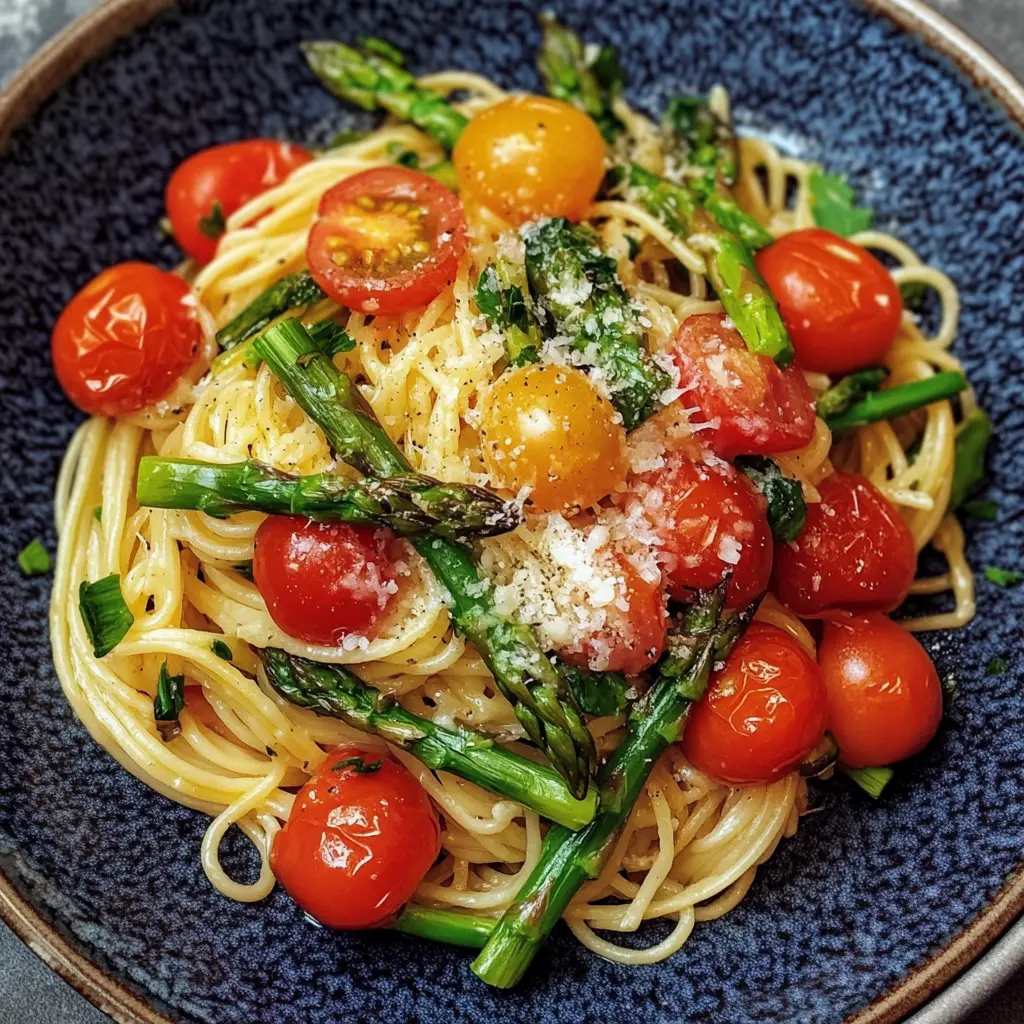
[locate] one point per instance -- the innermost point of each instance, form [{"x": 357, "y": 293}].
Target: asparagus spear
[
  {"x": 501, "y": 295},
  {"x": 578, "y": 287},
  {"x": 371, "y": 77},
  {"x": 291, "y": 292},
  {"x": 454, "y": 927},
  {"x": 849, "y": 389},
  {"x": 567, "y": 858},
  {"x": 892, "y": 402},
  {"x": 334, "y": 691},
  {"x": 541, "y": 699},
  {"x": 411, "y": 503}
]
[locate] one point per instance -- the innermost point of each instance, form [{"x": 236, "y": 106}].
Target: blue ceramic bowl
[{"x": 874, "y": 905}]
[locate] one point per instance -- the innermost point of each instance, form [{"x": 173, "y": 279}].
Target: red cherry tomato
[
  {"x": 124, "y": 339},
  {"x": 884, "y": 695},
  {"x": 211, "y": 184},
  {"x": 387, "y": 240},
  {"x": 761, "y": 714},
  {"x": 711, "y": 521},
  {"x": 633, "y": 638},
  {"x": 745, "y": 405},
  {"x": 359, "y": 840},
  {"x": 324, "y": 581},
  {"x": 855, "y": 552},
  {"x": 839, "y": 304}
]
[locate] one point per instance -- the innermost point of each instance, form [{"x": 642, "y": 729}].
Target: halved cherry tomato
[
  {"x": 124, "y": 340},
  {"x": 531, "y": 156},
  {"x": 325, "y": 581},
  {"x": 633, "y": 637},
  {"x": 386, "y": 240},
  {"x": 211, "y": 184},
  {"x": 854, "y": 552},
  {"x": 745, "y": 405},
  {"x": 884, "y": 695},
  {"x": 360, "y": 838},
  {"x": 840, "y": 305},
  {"x": 761, "y": 714},
  {"x": 711, "y": 521},
  {"x": 546, "y": 428}
]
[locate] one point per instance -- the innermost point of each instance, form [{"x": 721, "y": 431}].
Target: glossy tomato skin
[
  {"x": 412, "y": 227},
  {"x": 854, "y": 553},
  {"x": 884, "y": 695},
  {"x": 839, "y": 304},
  {"x": 124, "y": 340},
  {"x": 711, "y": 522},
  {"x": 228, "y": 176},
  {"x": 745, "y": 404},
  {"x": 529, "y": 157},
  {"x": 357, "y": 843},
  {"x": 761, "y": 714},
  {"x": 323, "y": 582},
  {"x": 633, "y": 639}
]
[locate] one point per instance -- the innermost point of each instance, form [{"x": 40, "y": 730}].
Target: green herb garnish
[
  {"x": 222, "y": 650},
  {"x": 168, "y": 703},
  {"x": 833, "y": 204},
  {"x": 34, "y": 559},
  {"x": 106, "y": 617}
]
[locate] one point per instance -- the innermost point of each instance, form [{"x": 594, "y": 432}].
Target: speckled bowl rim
[{"x": 86, "y": 38}]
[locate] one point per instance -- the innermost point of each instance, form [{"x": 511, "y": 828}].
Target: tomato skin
[
  {"x": 357, "y": 844},
  {"x": 344, "y": 230},
  {"x": 761, "y": 714},
  {"x": 632, "y": 640},
  {"x": 855, "y": 552},
  {"x": 752, "y": 406},
  {"x": 529, "y": 157},
  {"x": 123, "y": 341},
  {"x": 230, "y": 175},
  {"x": 325, "y": 581},
  {"x": 839, "y": 304},
  {"x": 884, "y": 694}
]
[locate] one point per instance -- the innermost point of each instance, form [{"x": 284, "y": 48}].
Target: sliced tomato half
[{"x": 387, "y": 240}]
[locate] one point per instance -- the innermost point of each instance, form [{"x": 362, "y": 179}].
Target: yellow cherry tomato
[
  {"x": 529, "y": 157},
  {"x": 545, "y": 427}
]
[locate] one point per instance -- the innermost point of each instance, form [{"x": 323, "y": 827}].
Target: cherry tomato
[
  {"x": 124, "y": 339},
  {"x": 745, "y": 405},
  {"x": 711, "y": 521},
  {"x": 839, "y": 304},
  {"x": 529, "y": 157},
  {"x": 323, "y": 582},
  {"x": 360, "y": 838},
  {"x": 210, "y": 185},
  {"x": 633, "y": 637},
  {"x": 884, "y": 695},
  {"x": 386, "y": 240},
  {"x": 545, "y": 427},
  {"x": 761, "y": 714},
  {"x": 855, "y": 552}
]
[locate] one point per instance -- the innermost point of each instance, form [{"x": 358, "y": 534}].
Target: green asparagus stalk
[
  {"x": 539, "y": 695},
  {"x": 454, "y": 927},
  {"x": 334, "y": 691},
  {"x": 897, "y": 401},
  {"x": 578, "y": 287},
  {"x": 501, "y": 296},
  {"x": 410, "y": 504},
  {"x": 372, "y": 78},
  {"x": 567, "y": 858},
  {"x": 292, "y": 292},
  {"x": 972, "y": 438},
  {"x": 850, "y": 389}
]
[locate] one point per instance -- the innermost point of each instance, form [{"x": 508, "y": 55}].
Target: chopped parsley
[
  {"x": 97, "y": 513},
  {"x": 221, "y": 649},
  {"x": 34, "y": 559},
  {"x": 168, "y": 703},
  {"x": 214, "y": 225},
  {"x": 996, "y": 667},
  {"x": 357, "y": 765},
  {"x": 1003, "y": 577},
  {"x": 833, "y": 204}
]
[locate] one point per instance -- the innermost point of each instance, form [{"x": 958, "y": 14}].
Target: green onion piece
[
  {"x": 897, "y": 401},
  {"x": 871, "y": 780},
  {"x": 34, "y": 559},
  {"x": 787, "y": 510},
  {"x": 106, "y": 617},
  {"x": 168, "y": 703},
  {"x": 972, "y": 440},
  {"x": 1003, "y": 577}
]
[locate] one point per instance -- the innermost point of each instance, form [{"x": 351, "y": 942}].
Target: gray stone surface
[{"x": 29, "y": 992}]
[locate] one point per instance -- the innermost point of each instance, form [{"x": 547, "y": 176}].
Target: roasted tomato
[
  {"x": 124, "y": 340},
  {"x": 324, "y": 582},
  {"x": 742, "y": 403},
  {"x": 761, "y": 714},
  {"x": 210, "y": 185},
  {"x": 855, "y": 552},
  {"x": 839, "y": 304},
  {"x": 386, "y": 240},
  {"x": 884, "y": 695},
  {"x": 360, "y": 838},
  {"x": 531, "y": 156}
]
